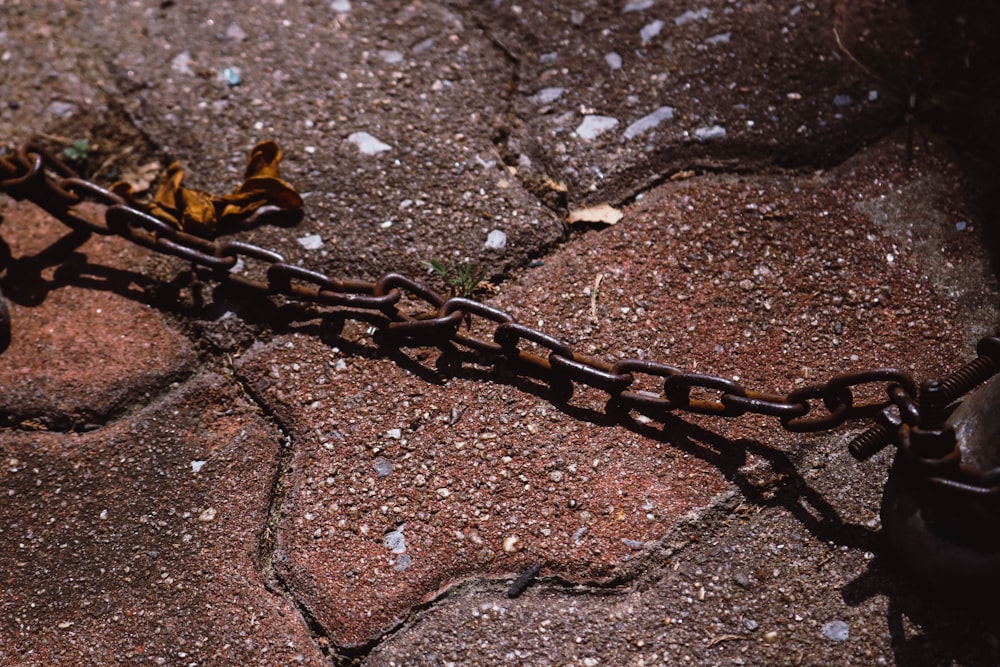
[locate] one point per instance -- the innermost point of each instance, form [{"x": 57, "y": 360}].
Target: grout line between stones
[{"x": 267, "y": 540}]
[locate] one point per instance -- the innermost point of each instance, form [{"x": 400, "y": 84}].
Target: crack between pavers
[{"x": 268, "y": 536}]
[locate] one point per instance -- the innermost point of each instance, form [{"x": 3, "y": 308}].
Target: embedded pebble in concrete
[
  {"x": 547, "y": 95},
  {"x": 651, "y": 30},
  {"x": 637, "y": 5},
  {"x": 495, "y": 240},
  {"x": 594, "y": 126},
  {"x": 836, "y": 631},
  {"x": 647, "y": 123},
  {"x": 311, "y": 241},
  {"x": 712, "y": 132},
  {"x": 367, "y": 144},
  {"x": 692, "y": 15}
]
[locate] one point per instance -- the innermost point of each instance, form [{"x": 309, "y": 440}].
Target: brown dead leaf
[
  {"x": 601, "y": 213},
  {"x": 206, "y": 215}
]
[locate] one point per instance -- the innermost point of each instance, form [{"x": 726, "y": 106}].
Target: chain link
[{"x": 32, "y": 174}]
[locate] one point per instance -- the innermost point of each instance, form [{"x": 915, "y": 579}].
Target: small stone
[
  {"x": 235, "y": 32},
  {"x": 443, "y": 493},
  {"x": 633, "y": 544},
  {"x": 651, "y": 30},
  {"x": 707, "y": 133},
  {"x": 367, "y": 144},
  {"x": 383, "y": 467},
  {"x": 556, "y": 476},
  {"x": 196, "y": 466},
  {"x": 771, "y": 636},
  {"x": 311, "y": 242},
  {"x": 961, "y": 225},
  {"x": 613, "y": 60},
  {"x": 594, "y": 126},
  {"x": 61, "y": 109},
  {"x": 403, "y": 562},
  {"x": 637, "y": 5},
  {"x": 687, "y": 16},
  {"x": 390, "y": 57},
  {"x": 510, "y": 544},
  {"x": 496, "y": 240},
  {"x": 233, "y": 76},
  {"x": 395, "y": 542},
  {"x": 721, "y": 38},
  {"x": 750, "y": 624},
  {"x": 420, "y": 47},
  {"x": 836, "y": 631},
  {"x": 647, "y": 123},
  {"x": 340, "y": 6},
  {"x": 742, "y": 580},
  {"x": 546, "y": 95},
  {"x": 207, "y": 515},
  {"x": 843, "y": 101},
  {"x": 394, "y": 433},
  {"x": 182, "y": 63}
]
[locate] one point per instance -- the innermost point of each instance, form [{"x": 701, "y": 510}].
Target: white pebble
[
  {"x": 836, "y": 631},
  {"x": 311, "y": 242},
  {"x": 546, "y": 95},
  {"x": 207, "y": 515},
  {"x": 496, "y": 240},
  {"x": 692, "y": 16},
  {"x": 196, "y": 466},
  {"x": 594, "y": 126},
  {"x": 649, "y": 122},
  {"x": 713, "y": 132},
  {"x": 613, "y": 60},
  {"x": 395, "y": 542},
  {"x": 367, "y": 144},
  {"x": 651, "y": 30},
  {"x": 182, "y": 63},
  {"x": 637, "y": 5}
]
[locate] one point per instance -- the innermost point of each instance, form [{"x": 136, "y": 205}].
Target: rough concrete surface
[{"x": 194, "y": 477}]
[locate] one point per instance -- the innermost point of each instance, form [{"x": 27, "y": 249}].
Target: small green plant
[
  {"x": 461, "y": 279},
  {"x": 77, "y": 151}
]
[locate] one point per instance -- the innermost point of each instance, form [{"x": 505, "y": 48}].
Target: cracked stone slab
[
  {"x": 615, "y": 96},
  {"x": 386, "y": 117},
  {"x": 405, "y": 482},
  {"x": 139, "y": 542},
  {"x": 84, "y": 344}
]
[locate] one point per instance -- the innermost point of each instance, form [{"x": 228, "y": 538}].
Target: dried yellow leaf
[{"x": 207, "y": 215}]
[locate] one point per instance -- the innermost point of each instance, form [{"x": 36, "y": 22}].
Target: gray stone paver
[{"x": 482, "y": 118}]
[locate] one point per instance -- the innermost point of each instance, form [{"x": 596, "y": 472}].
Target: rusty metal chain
[{"x": 904, "y": 417}]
